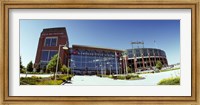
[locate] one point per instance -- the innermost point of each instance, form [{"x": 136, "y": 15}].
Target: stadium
[{"x": 140, "y": 59}]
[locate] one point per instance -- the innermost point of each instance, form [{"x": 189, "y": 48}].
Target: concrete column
[
  {"x": 159, "y": 55},
  {"x": 143, "y": 61},
  {"x": 150, "y": 61},
  {"x": 135, "y": 63}
]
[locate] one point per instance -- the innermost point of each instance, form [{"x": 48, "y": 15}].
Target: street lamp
[{"x": 64, "y": 48}]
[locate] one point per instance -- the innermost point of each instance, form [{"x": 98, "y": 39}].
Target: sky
[{"x": 115, "y": 34}]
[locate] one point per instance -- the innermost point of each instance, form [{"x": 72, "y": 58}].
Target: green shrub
[
  {"x": 156, "y": 71},
  {"x": 50, "y": 82},
  {"x": 121, "y": 77},
  {"x": 23, "y": 70},
  {"x": 44, "y": 81},
  {"x": 128, "y": 77},
  {"x": 29, "y": 80},
  {"x": 110, "y": 76},
  {"x": 69, "y": 78},
  {"x": 99, "y": 75},
  {"x": 170, "y": 81},
  {"x": 114, "y": 77},
  {"x": 159, "y": 65},
  {"x": 64, "y": 77}
]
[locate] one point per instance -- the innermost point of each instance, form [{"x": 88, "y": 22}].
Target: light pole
[
  {"x": 73, "y": 69},
  {"x": 96, "y": 70},
  {"x": 101, "y": 70},
  {"x": 65, "y": 48},
  {"x": 110, "y": 69},
  {"x": 73, "y": 65},
  {"x": 26, "y": 73}
]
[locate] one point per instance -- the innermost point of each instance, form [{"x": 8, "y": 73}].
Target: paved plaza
[{"x": 150, "y": 80}]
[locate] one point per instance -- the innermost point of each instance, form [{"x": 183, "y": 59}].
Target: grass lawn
[
  {"x": 124, "y": 77},
  {"x": 170, "y": 81},
  {"x": 169, "y": 69},
  {"x": 166, "y": 70},
  {"x": 44, "y": 80}
]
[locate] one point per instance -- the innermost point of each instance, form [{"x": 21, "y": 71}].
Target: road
[{"x": 150, "y": 80}]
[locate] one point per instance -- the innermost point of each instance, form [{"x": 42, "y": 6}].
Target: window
[
  {"x": 47, "y": 55},
  {"x": 51, "y": 54},
  {"x": 151, "y": 52},
  {"x": 44, "y": 56},
  {"x": 47, "y": 42},
  {"x": 156, "y": 52},
  {"x": 51, "y": 41},
  {"x": 145, "y": 53},
  {"x": 137, "y": 52}
]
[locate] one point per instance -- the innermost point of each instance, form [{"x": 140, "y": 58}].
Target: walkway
[{"x": 151, "y": 79}]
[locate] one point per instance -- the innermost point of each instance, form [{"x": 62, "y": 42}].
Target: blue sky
[{"x": 116, "y": 34}]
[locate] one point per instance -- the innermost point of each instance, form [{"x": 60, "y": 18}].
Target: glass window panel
[
  {"x": 156, "y": 52},
  {"x": 151, "y": 52},
  {"x": 47, "y": 42},
  {"x": 43, "y": 64},
  {"x": 145, "y": 52},
  {"x": 138, "y": 53},
  {"x": 53, "y": 41},
  {"x": 51, "y": 54},
  {"x": 44, "y": 56}
]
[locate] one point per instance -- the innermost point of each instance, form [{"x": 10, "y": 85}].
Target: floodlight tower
[{"x": 134, "y": 56}]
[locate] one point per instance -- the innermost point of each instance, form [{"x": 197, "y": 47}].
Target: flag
[{"x": 75, "y": 52}]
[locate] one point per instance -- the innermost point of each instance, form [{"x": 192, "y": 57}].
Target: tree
[
  {"x": 38, "y": 68},
  {"x": 44, "y": 69},
  {"x": 51, "y": 66},
  {"x": 21, "y": 66},
  {"x": 159, "y": 65},
  {"x": 30, "y": 67},
  {"x": 129, "y": 69},
  {"x": 65, "y": 69}
]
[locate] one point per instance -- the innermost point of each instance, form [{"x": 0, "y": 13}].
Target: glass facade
[
  {"x": 145, "y": 52},
  {"x": 47, "y": 55},
  {"x": 92, "y": 60},
  {"x": 51, "y": 41},
  {"x": 162, "y": 53}
]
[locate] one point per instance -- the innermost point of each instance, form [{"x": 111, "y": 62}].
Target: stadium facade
[
  {"x": 87, "y": 60},
  {"x": 145, "y": 58}
]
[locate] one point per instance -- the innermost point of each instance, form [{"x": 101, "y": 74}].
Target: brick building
[{"x": 48, "y": 45}]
